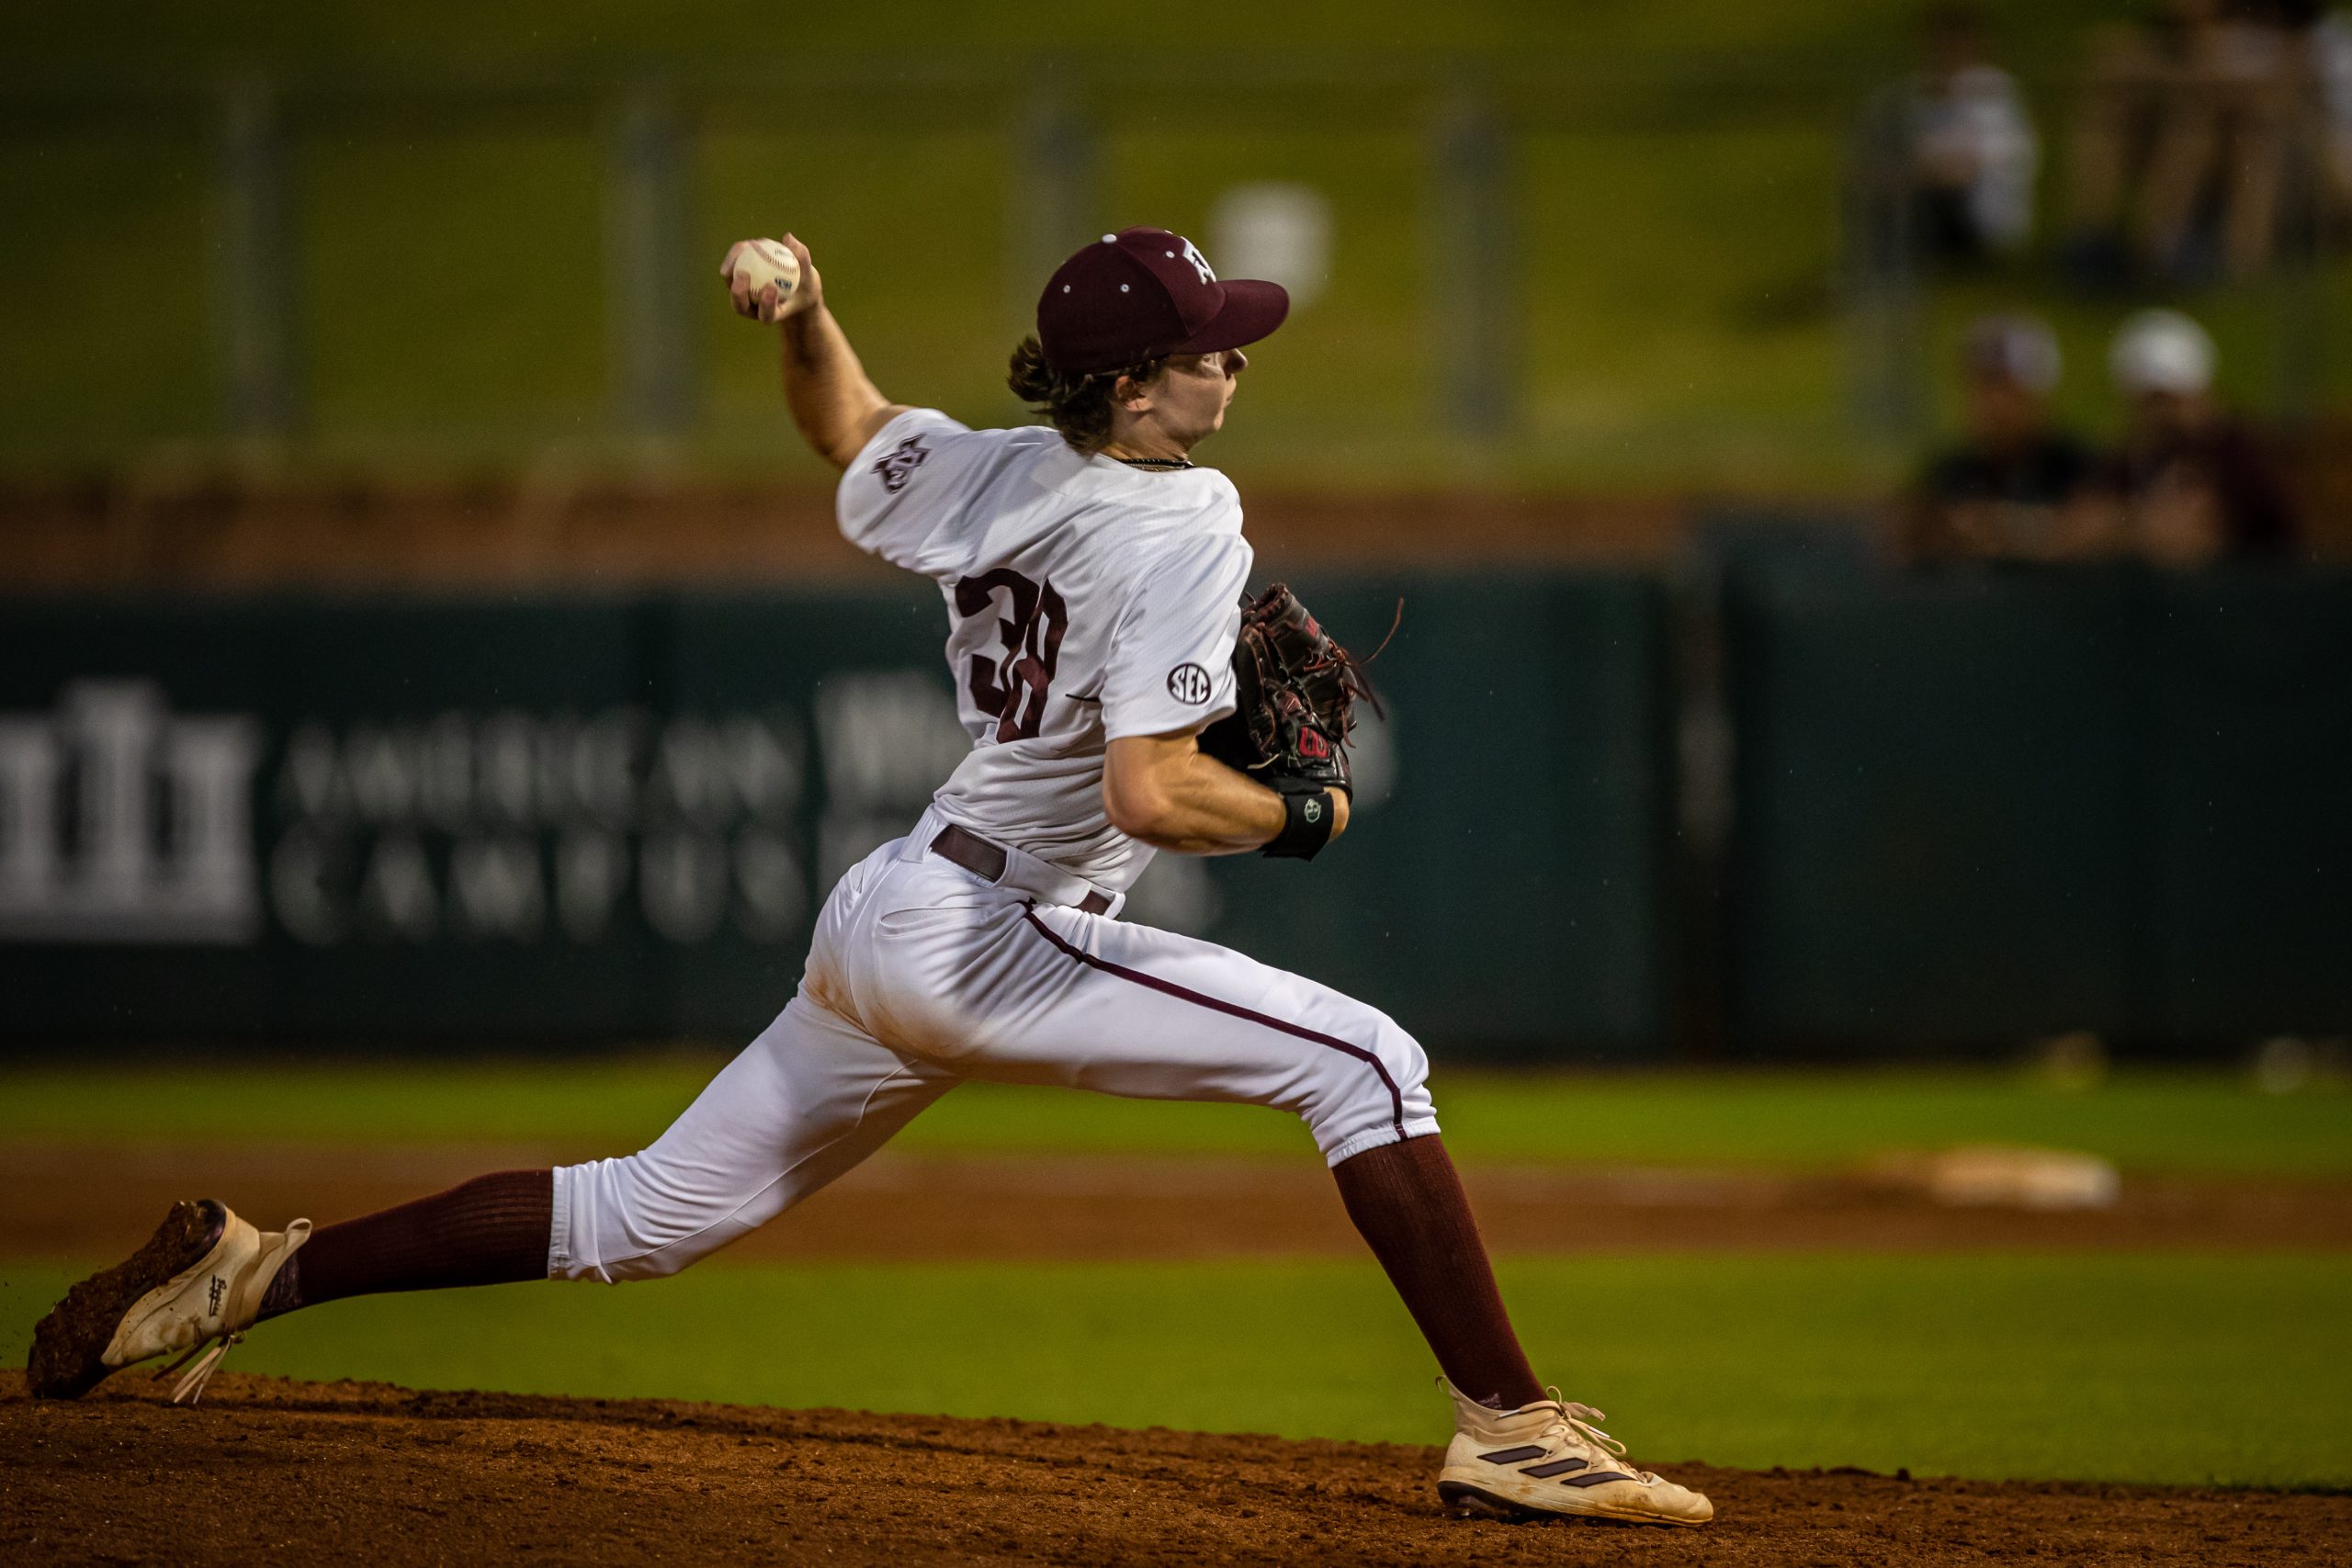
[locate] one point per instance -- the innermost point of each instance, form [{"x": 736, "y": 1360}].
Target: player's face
[{"x": 1190, "y": 395}]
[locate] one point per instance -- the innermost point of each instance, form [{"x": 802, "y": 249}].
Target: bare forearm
[
  {"x": 837, "y": 408},
  {"x": 1207, "y": 809},
  {"x": 1159, "y": 788}
]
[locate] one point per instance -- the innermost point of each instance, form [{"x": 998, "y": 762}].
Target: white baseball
[{"x": 762, "y": 261}]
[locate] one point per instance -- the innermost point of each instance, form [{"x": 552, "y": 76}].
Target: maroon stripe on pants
[{"x": 1232, "y": 1009}]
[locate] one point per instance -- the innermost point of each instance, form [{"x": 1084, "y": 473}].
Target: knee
[
  {"x": 1402, "y": 1062},
  {"x": 1409, "y": 1069},
  {"x": 1408, "y": 1063},
  {"x": 1374, "y": 1092}
]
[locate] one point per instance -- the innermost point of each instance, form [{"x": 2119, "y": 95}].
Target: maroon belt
[{"x": 961, "y": 846}]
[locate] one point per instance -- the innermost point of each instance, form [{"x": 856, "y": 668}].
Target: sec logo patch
[{"x": 1189, "y": 684}]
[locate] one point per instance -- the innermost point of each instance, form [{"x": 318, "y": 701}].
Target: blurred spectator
[
  {"x": 2331, "y": 55},
  {"x": 1942, "y": 162},
  {"x": 2182, "y": 142},
  {"x": 2016, "y": 488},
  {"x": 1972, "y": 148},
  {"x": 2194, "y": 485}
]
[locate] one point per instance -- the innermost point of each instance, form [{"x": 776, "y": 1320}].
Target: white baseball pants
[{"x": 921, "y": 975}]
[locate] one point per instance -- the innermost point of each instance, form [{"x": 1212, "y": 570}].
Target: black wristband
[{"x": 1306, "y": 826}]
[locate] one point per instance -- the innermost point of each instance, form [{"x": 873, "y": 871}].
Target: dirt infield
[
  {"x": 369, "y": 1471},
  {"x": 90, "y": 1201}
]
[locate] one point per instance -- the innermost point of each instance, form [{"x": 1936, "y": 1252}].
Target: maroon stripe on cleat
[
  {"x": 1595, "y": 1479},
  {"x": 1512, "y": 1456}
]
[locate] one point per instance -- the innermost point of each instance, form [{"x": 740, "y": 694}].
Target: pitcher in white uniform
[{"x": 1091, "y": 575}]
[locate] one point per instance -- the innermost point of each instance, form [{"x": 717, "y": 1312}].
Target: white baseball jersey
[{"x": 1087, "y": 601}]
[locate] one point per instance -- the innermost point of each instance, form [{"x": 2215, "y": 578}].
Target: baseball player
[{"x": 1091, "y": 574}]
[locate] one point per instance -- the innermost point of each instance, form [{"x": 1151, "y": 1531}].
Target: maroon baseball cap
[{"x": 1142, "y": 293}]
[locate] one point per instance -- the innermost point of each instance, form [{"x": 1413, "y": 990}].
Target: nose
[{"x": 1235, "y": 362}]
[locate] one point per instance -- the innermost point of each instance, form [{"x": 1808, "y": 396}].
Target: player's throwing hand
[{"x": 771, "y": 279}]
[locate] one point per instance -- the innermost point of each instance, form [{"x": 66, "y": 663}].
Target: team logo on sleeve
[
  {"x": 901, "y": 462},
  {"x": 1189, "y": 684}
]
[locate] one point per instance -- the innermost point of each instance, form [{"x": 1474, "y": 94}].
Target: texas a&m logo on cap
[{"x": 1142, "y": 294}]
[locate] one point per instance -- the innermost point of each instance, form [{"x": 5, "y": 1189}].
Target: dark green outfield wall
[
  {"x": 406, "y": 821},
  {"x": 1975, "y": 809},
  {"x": 1964, "y": 813}
]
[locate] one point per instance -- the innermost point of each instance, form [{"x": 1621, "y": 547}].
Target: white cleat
[
  {"x": 196, "y": 1287},
  {"x": 1552, "y": 1458}
]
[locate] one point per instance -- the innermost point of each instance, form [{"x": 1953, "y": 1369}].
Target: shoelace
[
  {"x": 208, "y": 1355},
  {"x": 1584, "y": 1420}
]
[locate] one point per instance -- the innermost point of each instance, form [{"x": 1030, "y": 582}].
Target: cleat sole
[
  {"x": 69, "y": 1345},
  {"x": 1477, "y": 1502}
]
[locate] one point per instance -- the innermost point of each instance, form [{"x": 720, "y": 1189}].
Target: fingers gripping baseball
[{"x": 768, "y": 280}]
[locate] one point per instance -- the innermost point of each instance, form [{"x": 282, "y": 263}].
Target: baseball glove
[{"x": 1294, "y": 696}]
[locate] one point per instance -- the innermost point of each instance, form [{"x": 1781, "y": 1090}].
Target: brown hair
[{"x": 1076, "y": 404}]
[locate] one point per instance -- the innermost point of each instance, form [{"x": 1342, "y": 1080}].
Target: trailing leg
[{"x": 1407, "y": 1200}]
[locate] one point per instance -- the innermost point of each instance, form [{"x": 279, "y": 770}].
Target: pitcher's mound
[{"x": 367, "y": 1471}]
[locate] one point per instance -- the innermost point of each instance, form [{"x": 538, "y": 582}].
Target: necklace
[{"x": 1168, "y": 465}]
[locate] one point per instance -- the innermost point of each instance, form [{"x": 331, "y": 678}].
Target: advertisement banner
[{"x": 485, "y": 821}]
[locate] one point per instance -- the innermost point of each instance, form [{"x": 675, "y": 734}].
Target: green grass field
[
  {"x": 2171, "y": 1369},
  {"x": 2143, "y": 1121},
  {"x": 1675, "y": 195},
  {"x": 2178, "y": 1368}
]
